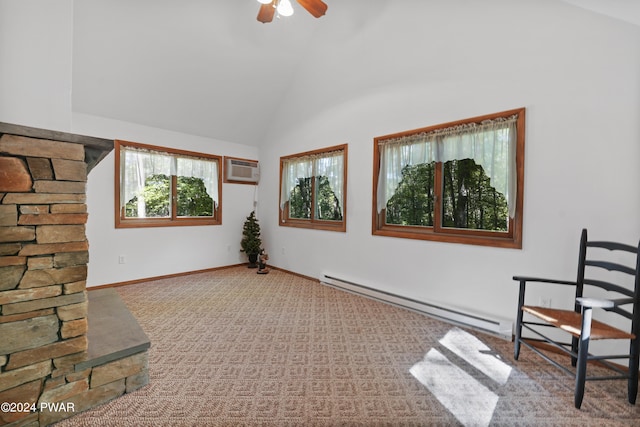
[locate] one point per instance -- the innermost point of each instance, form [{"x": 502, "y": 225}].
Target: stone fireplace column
[{"x": 43, "y": 269}]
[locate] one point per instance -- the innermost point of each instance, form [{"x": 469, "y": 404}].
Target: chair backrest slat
[
  {"x": 622, "y": 312},
  {"x": 611, "y": 287},
  {"x": 613, "y": 246},
  {"x": 611, "y": 266}
]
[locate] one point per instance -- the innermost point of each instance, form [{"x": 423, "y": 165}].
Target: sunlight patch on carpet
[
  {"x": 468, "y": 400},
  {"x": 465, "y": 397},
  {"x": 477, "y": 354}
]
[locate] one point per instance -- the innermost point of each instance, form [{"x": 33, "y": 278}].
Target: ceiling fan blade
[
  {"x": 266, "y": 12},
  {"x": 315, "y": 7}
]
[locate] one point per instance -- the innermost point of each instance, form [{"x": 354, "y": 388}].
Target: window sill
[
  {"x": 420, "y": 234},
  {"x": 144, "y": 223},
  {"x": 316, "y": 225}
]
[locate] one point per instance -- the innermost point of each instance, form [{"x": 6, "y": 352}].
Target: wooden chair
[{"x": 596, "y": 260}]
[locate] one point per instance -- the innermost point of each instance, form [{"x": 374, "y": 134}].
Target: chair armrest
[
  {"x": 595, "y": 302},
  {"x": 541, "y": 280},
  {"x": 523, "y": 288},
  {"x": 602, "y": 303}
]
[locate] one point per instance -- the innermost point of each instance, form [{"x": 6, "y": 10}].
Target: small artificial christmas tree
[{"x": 251, "y": 242}]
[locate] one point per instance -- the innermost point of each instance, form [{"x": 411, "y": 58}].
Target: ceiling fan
[{"x": 268, "y": 8}]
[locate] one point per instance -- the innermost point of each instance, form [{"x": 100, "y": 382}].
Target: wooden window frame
[
  {"x": 510, "y": 239},
  {"x": 173, "y": 220},
  {"x": 313, "y": 223}
]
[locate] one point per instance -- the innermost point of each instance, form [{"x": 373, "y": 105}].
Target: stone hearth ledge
[{"x": 114, "y": 333}]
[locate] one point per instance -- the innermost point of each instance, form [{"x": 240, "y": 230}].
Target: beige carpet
[{"x": 233, "y": 348}]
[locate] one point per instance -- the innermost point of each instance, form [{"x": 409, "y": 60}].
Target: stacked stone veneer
[{"x": 43, "y": 299}]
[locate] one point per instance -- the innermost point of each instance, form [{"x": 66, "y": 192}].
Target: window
[
  {"x": 460, "y": 182},
  {"x": 313, "y": 190},
  {"x": 161, "y": 187}
]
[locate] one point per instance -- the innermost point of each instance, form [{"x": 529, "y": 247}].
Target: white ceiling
[
  {"x": 625, "y": 10},
  {"x": 207, "y": 67}
]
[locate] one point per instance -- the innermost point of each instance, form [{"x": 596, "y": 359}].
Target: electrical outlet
[
  {"x": 122, "y": 259},
  {"x": 545, "y": 302}
]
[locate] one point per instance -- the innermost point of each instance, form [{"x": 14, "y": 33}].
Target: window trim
[
  {"x": 511, "y": 239},
  {"x": 174, "y": 220},
  {"x": 315, "y": 224}
]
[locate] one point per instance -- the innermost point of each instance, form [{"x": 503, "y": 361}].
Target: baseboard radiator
[{"x": 500, "y": 328}]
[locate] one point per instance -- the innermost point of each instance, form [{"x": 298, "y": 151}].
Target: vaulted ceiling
[{"x": 207, "y": 67}]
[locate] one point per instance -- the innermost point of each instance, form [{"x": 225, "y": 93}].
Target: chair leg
[
  {"x": 516, "y": 347},
  {"x": 581, "y": 371},
  {"x": 516, "y": 344},
  {"x": 583, "y": 353},
  {"x": 574, "y": 349},
  {"x": 633, "y": 387},
  {"x": 633, "y": 371}
]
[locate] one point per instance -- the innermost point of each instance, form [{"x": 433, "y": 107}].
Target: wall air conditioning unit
[{"x": 241, "y": 171}]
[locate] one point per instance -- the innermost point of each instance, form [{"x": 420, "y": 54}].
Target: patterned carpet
[{"x": 233, "y": 348}]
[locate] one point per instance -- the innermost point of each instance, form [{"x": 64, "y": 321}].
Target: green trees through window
[
  {"x": 413, "y": 203},
  {"x": 193, "y": 199},
  {"x": 154, "y": 199},
  {"x": 300, "y": 199},
  {"x": 469, "y": 200},
  {"x": 327, "y": 204}
]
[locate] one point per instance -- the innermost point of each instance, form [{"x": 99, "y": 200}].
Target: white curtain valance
[
  {"x": 491, "y": 144},
  {"x": 329, "y": 164}
]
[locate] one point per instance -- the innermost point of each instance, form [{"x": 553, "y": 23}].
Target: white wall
[
  {"x": 35, "y": 90},
  {"x": 35, "y": 63},
  {"x": 576, "y": 72},
  {"x": 158, "y": 251}
]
